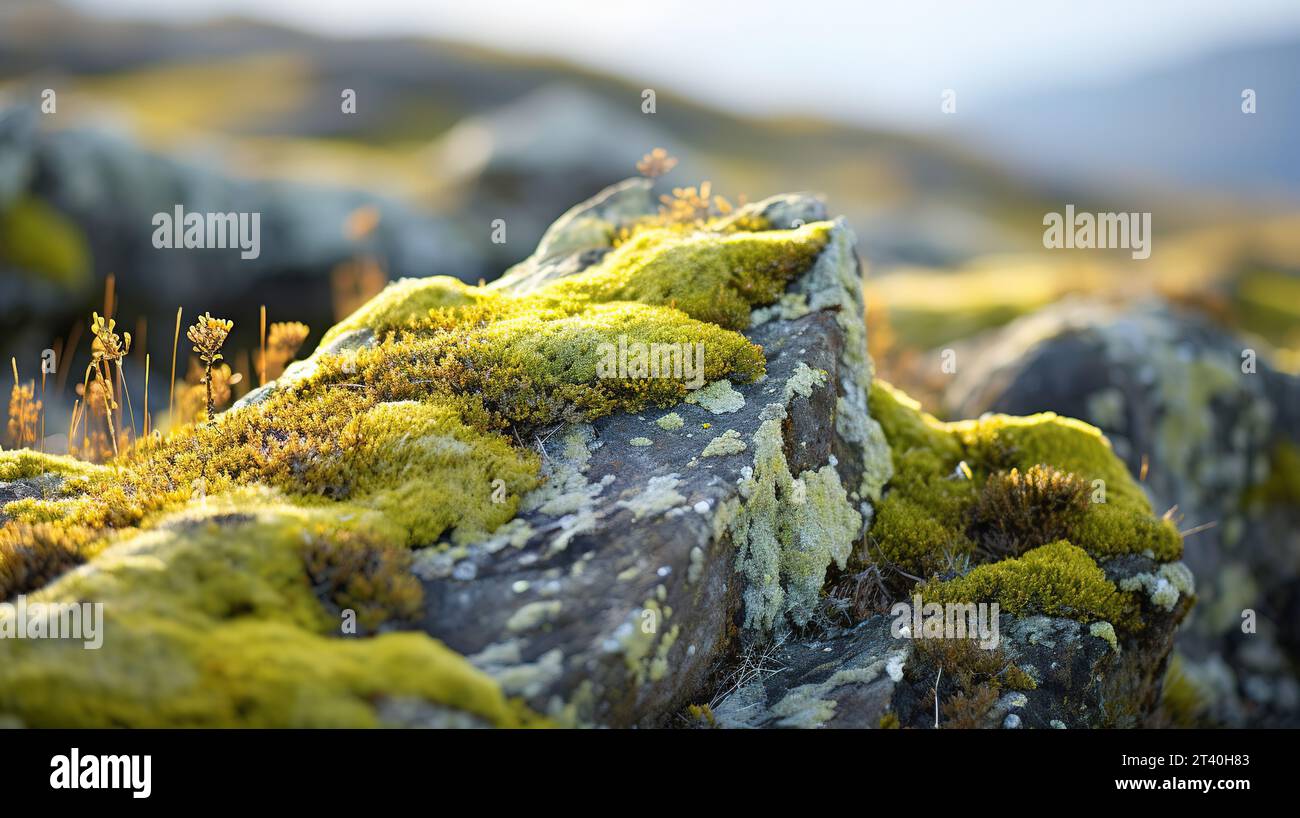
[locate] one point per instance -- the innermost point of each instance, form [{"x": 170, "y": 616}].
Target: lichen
[
  {"x": 718, "y": 397},
  {"x": 1106, "y": 631},
  {"x": 1164, "y": 587},
  {"x": 788, "y": 531},
  {"x": 660, "y": 494},
  {"x": 729, "y": 442},
  {"x": 670, "y": 421}
]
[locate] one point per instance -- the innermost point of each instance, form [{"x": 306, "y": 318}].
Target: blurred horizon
[{"x": 829, "y": 53}]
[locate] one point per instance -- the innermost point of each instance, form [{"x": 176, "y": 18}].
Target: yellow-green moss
[
  {"x": 24, "y": 463},
  {"x": 715, "y": 277},
  {"x": 216, "y": 624},
  {"x": 1058, "y": 579},
  {"x": 404, "y": 300},
  {"x": 929, "y": 521}
]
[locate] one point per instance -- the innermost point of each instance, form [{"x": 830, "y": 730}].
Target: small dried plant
[
  {"x": 90, "y": 414},
  {"x": 217, "y": 383},
  {"x": 24, "y": 412},
  {"x": 688, "y": 205},
  {"x": 283, "y": 341},
  {"x": 1018, "y": 511},
  {"x": 106, "y": 353},
  {"x": 656, "y": 163},
  {"x": 207, "y": 335}
]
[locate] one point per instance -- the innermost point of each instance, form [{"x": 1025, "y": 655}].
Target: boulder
[
  {"x": 470, "y": 507},
  {"x": 1214, "y": 429}
]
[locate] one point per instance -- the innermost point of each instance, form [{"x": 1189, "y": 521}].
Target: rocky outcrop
[
  {"x": 1214, "y": 430},
  {"x": 520, "y": 534}
]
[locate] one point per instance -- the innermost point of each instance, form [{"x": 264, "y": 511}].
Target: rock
[
  {"x": 451, "y": 473},
  {"x": 1214, "y": 428}
]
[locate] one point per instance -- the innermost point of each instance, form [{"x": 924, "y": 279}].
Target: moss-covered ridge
[
  {"x": 1015, "y": 510},
  {"x": 399, "y": 441}
]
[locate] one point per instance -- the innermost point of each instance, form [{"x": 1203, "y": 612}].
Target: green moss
[
  {"x": 713, "y": 277},
  {"x": 25, "y": 463},
  {"x": 406, "y": 299},
  {"x": 211, "y": 624},
  {"x": 36, "y": 238},
  {"x": 939, "y": 506},
  {"x": 1058, "y": 579},
  {"x": 352, "y": 572}
]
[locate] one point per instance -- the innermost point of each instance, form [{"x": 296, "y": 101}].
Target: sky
[{"x": 855, "y": 60}]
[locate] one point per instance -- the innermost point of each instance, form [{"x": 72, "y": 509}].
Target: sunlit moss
[
  {"x": 1057, "y": 579},
  {"x": 1047, "y": 487},
  {"x": 210, "y": 620}
]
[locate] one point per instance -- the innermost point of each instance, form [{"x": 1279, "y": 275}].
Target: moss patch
[
  {"x": 940, "y": 505},
  {"x": 209, "y": 624},
  {"x": 1058, "y": 579},
  {"x": 1045, "y": 489}
]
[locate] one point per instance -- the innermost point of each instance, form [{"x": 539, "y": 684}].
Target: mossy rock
[
  {"x": 1212, "y": 423},
  {"x": 455, "y": 473},
  {"x": 421, "y": 427}
]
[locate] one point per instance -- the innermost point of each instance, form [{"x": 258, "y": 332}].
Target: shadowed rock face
[
  {"x": 1217, "y": 429},
  {"x": 670, "y": 557}
]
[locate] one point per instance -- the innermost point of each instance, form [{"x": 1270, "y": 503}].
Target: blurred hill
[{"x": 1179, "y": 125}]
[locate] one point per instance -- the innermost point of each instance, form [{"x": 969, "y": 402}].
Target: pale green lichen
[
  {"x": 641, "y": 442},
  {"x": 660, "y": 494},
  {"x": 803, "y": 381},
  {"x": 727, "y": 443},
  {"x": 1164, "y": 587},
  {"x": 718, "y": 397},
  {"x": 1106, "y": 631},
  {"x": 534, "y": 615},
  {"x": 670, "y": 421},
  {"x": 788, "y": 531}
]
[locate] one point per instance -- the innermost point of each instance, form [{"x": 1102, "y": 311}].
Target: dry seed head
[
  {"x": 207, "y": 335},
  {"x": 108, "y": 345},
  {"x": 656, "y": 163}
]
